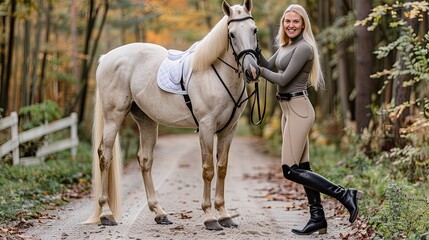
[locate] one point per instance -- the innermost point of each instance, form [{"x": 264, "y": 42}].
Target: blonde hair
[{"x": 316, "y": 76}]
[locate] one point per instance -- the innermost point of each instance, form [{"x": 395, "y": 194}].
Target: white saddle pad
[{"x": 171, "y": 70}]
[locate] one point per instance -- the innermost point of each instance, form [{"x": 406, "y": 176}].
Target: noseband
[{"x": 253, "y": 52}]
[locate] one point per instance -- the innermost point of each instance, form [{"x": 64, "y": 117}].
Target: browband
[{"x": 240, "y": 19}]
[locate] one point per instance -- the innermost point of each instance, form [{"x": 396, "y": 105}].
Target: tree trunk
[
  {"x": 326, "y": 98},
  {"x": 33, "y": 92},
  {"x": 2, "y": 45},
  {"x": 364, "y": 65},
  {"x": 89, "y": 52},
  {"x": 2, "y": 55},
  {"x": 25, "y": 94},
  {"x": 74, "y": 41},
  {"x": 342, "y": 85},
  {"x": 5, "y": 81},
  {"x": 402, "y": 94},
  {"x": 45, "y": 51}
]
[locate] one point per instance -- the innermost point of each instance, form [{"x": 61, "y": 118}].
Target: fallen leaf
[{"x": 184, "y": 216}]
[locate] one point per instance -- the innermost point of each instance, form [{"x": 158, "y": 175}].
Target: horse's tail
[{"x": 114, "y": 175}]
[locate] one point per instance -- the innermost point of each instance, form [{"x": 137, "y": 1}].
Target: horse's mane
[{"x": 213, "y": 45}]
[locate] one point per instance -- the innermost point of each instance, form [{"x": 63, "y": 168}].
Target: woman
[{"x": 296, "y": 65}]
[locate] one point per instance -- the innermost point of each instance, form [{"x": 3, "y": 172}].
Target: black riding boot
[
  {"x": 348, "y": 197},
  {"x": 317, "y": 220}
]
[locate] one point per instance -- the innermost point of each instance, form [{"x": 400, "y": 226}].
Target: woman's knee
[{"x": 290, "y": 171}]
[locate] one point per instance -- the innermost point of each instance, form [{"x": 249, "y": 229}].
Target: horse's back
[
  {"x": 130, "y": 52},
  {"x": 128, "y": 74},
  {"x": 118, "y": 66}
]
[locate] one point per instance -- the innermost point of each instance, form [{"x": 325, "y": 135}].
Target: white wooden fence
[{"x": 18, "y": 138}]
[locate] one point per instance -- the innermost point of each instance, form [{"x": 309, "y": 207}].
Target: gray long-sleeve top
[{"x": 289, "y": 68}]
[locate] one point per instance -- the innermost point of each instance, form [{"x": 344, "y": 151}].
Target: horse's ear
[
  {"x": 248, "y": 5},
  {"x": 226, "y": 8}
]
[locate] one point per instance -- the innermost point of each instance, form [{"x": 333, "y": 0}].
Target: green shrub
[
  {"x": 37, "y": 114},
  {"x": 404, "y": 213},
  {"x": 409, "y": 162},
  {"x": 27, "y": 190}
]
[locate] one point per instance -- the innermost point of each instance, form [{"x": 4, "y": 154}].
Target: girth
[{"x": 189, "y": 103}]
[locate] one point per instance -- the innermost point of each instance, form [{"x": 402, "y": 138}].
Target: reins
[
  {"x": 255, "y": 53},
  {"x": 237, "y": 103},
  {"x": 256, "y": 101}
]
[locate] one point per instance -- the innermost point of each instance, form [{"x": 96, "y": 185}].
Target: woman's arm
[
  {"x": 302, "y": 54},
  {"x": 269, "y": 64}
]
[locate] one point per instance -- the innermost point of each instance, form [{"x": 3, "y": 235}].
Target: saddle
[{"x": 175, "y": 71}]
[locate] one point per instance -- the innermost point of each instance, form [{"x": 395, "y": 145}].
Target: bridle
[
  {"x": 253, "y": 52},
  {"x": 237, "y": 103}
]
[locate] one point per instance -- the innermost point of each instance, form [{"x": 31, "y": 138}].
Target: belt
[{"x": 289, "y": 96}]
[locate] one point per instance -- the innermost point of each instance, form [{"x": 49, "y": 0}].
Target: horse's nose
[{"x": 253, "y": 73}]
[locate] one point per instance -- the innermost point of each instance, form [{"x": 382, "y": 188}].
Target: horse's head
[{"x": 242, "y": 38}]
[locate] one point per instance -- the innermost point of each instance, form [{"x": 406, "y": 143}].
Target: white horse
[{"x": 126, "y": 82}]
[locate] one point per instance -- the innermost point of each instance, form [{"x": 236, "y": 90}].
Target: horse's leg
[
  {"x": 223, "y": 145},
  {"x": 112, "y": 123},
  {"x": 206, "y": 144},
  {"x": 148, "y": 135}
]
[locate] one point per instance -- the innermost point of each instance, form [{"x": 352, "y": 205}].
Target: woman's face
[{"x": 292, "y": 24}]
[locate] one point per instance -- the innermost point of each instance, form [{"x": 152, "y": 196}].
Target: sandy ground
[{"x": 177, "y": 178}]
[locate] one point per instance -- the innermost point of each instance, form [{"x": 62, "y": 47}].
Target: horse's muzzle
[{"x": 252, "y": 74}]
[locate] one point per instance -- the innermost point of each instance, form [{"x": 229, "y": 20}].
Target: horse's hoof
[
  {"x": 108, "y": 221},
  {"x": 163, "y": 220},
  {"x": 227, "y": 222},
  {"x": 213, "y": 225}
]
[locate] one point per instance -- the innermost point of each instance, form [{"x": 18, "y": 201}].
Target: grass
[
  {"x": 393, "y": 206},
  {"x": 28, "y": 190},
  {"x": 395, "y": 183}
]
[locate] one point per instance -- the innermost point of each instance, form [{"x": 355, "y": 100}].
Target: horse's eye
[
  {"x": 255, "y": 31},
  {"x": 231, "y": 35}
]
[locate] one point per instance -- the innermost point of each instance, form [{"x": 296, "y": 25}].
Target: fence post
[
  {"x": 13, "y": 144},
  {"x": 73, "y": 133},
  {"x": 15, "y": 137}
]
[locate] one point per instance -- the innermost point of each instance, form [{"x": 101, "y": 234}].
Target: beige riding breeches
[{"x": 297, "y": 120}]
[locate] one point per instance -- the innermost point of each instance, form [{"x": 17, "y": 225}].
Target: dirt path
[{"x": 177, "y": 178}]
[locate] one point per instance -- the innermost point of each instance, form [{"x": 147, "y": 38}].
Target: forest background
[{"x": 372, "y": 116}]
